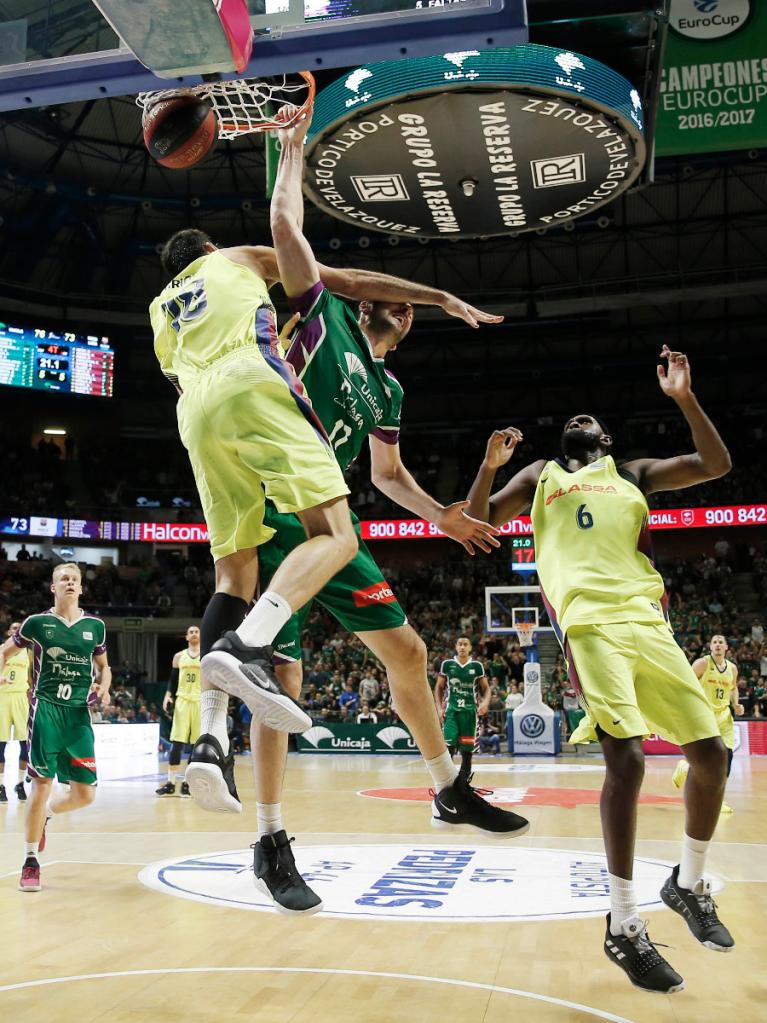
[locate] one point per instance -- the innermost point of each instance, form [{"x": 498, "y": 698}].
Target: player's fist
[
  {"x": 674, "y": 381},
  {"x": 501, "y": 446},
  {"x": 739, "y": 710},
  {"x": 293, "y": 124}
]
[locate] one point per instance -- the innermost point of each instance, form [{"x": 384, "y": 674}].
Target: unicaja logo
[
  {"x": 355, "y": 366},
  {"x": 709, "y": 19},
  {"x": 315, "y": 735},
  {"x": 354, "y": 82},
  {"x": 570, "y": 62},
  {"x": 389, "y": 736},
  {"x": 458, "y": 59}
]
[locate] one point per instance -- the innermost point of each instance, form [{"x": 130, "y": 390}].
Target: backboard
[{"x": 60, "y": 51}]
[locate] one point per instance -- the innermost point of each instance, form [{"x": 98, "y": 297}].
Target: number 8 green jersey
[
  {"x": 351, "y": 391},
  {"x": 63, "y": 669}
]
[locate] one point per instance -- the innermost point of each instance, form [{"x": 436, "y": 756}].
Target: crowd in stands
[{"x": 127, "y": 478}]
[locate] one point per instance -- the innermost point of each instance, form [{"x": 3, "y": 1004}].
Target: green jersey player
[
  {"x": 70, "y": 663},
  {"x": 339, "y": 359},
  {"x": 455, "y": 694}
]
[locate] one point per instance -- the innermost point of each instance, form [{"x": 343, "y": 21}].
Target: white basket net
[
  {"x": 525, "y": 633},
  {"x": 246, "y": 105}
]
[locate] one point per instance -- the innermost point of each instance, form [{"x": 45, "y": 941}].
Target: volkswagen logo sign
[{"x": 532, "y": 726}]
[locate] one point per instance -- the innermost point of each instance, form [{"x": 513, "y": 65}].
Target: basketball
[{"x": 180, "y": 131}]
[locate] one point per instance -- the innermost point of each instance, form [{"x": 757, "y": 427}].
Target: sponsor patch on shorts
[
  {"x": 378, "y": 593},
  {"x": 87, "y": 762}
]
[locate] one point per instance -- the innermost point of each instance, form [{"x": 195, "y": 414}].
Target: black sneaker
[
  {"x": 698, "y": 908},
  {"x": 20, "y": 791},
  {"x": 639, "y": 958},
  {"x": 460, "y": 804},
  {"x": 3, "y": 794},
  {"x": 276, "y": 875},
  {"x": 184, "y": 793},
  {"x": 247, "y": 672},
  {"x": 168, "y": 789},
  {"x": 210, "y": 776}
]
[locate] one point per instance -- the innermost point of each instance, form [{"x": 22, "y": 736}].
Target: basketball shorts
[
  {"x": 726, "y": 728},
  {"x": 14, "y": 716},
  {"x": 634, "y": 681},
  {"x": 248, "y": 431},
  {"x": 358, "y": 596},
  {"x": 61, "y": 744},
  {"x": 186, "y": 721},
  {"x": 460, "y": 728}
]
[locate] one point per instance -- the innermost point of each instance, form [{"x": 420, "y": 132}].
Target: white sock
[
  {"x": 623, "y": 902},
  {"x": 213, "y": 707},
  {"x": 33, "y": 848},
  {"x": 269, "y": 817},
  {"x": 172, "y": 774},
  {"x": 692, "y": 862},
  {"x": 265, "y": 620},
  {"x": 442, "y": 770}
]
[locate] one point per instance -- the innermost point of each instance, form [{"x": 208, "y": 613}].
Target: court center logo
[
  {"x": 709, "y": 19},
  {"x": 454, "y": 883}
]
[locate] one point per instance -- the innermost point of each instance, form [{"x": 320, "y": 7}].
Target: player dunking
[
  {"x": 604, "y": 598},
  {"x": 719, "y": 678},
  {"x": 340, "y": 360},
  {"x": 184, "y": 695},
  {"x": 14, "y": 711},
  {"x": 455, "y": 694},
  {"x": 251, "y": 433},
  {"x": 69, "y": 652}
]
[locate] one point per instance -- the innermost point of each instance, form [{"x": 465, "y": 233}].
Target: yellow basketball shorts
[
  {"x": 249, "y": 432},
  {"x": 186, "y": 721},
  {"x": 726, "y": 728},
  {"x": 634, "y": 680},
  {"x": 14, "y": 715}
]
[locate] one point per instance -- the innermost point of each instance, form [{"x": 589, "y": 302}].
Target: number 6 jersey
[
  {"x": 593, "y": 547},
  {"x": 62, "y": 667}
]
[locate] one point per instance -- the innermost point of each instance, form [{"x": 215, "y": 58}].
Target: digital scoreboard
[
  {"x": 523, "y": 553},
  {"x": 63, "y": 362}
]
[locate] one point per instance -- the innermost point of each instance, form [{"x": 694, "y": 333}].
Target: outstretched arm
[
  {"x": 518, "y": 492},
  {"x": 709, "y": 461},
  {"x": 389, "y": 474}
]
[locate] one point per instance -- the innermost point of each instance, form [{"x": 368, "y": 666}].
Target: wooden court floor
[{"x": 496, "y": 931}]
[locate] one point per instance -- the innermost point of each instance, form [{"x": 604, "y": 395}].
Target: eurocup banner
[{"x": 714, "y": 87}]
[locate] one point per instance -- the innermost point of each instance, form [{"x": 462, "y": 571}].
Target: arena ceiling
[{"x": 84, "y": 209}]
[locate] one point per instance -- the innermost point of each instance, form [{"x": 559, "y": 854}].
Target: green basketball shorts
[
  {"x": 358, "y": 596},
  {"x": 62, "y": 744}
]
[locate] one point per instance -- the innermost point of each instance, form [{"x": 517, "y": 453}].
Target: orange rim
[{"x": 269, "y": 124}]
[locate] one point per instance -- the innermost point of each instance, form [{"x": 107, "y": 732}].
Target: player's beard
[
  {"x": 579, "y": 444},
  {"x": 383, "y": 327}
]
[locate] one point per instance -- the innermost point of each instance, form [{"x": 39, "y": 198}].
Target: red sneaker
[{"x": 30, "y": 876}]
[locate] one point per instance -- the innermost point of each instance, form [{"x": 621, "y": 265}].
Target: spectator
[
  {"x": 366, "y": 716},
  {"x": 489, "y": 737}
]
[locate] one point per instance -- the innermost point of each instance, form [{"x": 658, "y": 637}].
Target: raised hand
[
  {"x": 293, "y": 132},
  {"x": 501, "y": 446},
  {"x": 455, "y": 523},
  {"x": 468, "y": 313},
  {"x": 676, "y": 381}
]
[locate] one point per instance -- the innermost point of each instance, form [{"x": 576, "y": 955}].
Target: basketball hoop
[
  {"x": 525, "y": 633},
  {"x": 247, "y": 105}
]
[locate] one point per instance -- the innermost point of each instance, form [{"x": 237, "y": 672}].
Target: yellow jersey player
[
  {"x": 252, "y": 434},
  {"x": 719, "y": 678},
  {"x": 184, "y": 696},
  {"x": 605, "y": 600},
  {"x": 14, "y": 711}
]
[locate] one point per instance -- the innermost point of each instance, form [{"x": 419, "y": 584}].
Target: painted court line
[{"x": 475, "y": 985}]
